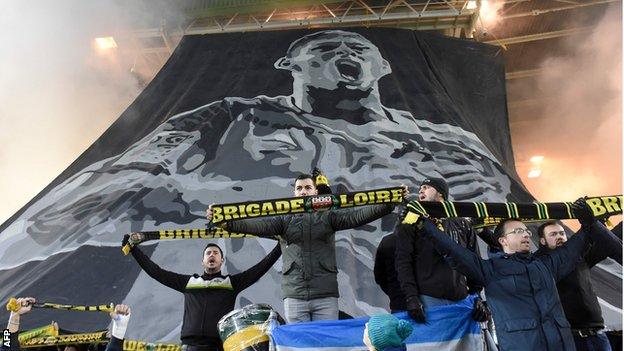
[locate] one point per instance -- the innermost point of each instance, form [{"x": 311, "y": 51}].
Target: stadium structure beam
[
  {"x": 522, "y": 74},
  {"x": 447, "y": 18},
  {"x": 540, "y": 36},
  {"x": 451, "y": 16},
  {"x": 537, "y": 12}
]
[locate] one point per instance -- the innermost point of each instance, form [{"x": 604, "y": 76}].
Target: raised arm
[
  {"x": 562, "y": 260},
  {"x": 244, "y": 279},
  {"x": 269, "y": 227},
  {"x": 355, "y": 217},
  {"x": 173, "y": 280},
  {"x": 24, "y": 305},
  {"x": 605, "y": 244},
  {"x": 467, "y": 262},
  {"x": 487, "y": 235},
  {"x": 120, "y": 317}
]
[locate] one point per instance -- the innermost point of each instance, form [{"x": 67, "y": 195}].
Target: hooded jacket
[{"x": 308, "y": 244}]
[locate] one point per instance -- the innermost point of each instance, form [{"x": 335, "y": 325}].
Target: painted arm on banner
[
  {"x": 172, "y": 280},
  {"x": 178, "y": 146},
  {"x": 354, "y": 217},
  {"x": 467, "y": 262},
  {"x": 404, "y": 257},
  {"x": 245, "y": 279},
  {"x": 268, "y": 227}
]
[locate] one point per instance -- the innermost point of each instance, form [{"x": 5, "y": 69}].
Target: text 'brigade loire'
[{"x": 307, "y": 204}]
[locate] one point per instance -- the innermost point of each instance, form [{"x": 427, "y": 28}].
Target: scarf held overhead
[
  {"x": 601, "y": 207},
  {"x": 275, "y": 207}
]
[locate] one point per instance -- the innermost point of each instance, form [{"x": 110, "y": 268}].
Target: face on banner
[
  {"x": 240, "y": 149},
  {"x": 335, "y": 59}
]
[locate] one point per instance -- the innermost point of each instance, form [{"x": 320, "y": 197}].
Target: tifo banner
[
  {"x": 235, "y": 117},
  {"x": 448, "y": 328}
]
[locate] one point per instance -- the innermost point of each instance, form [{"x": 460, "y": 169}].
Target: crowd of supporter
[{"x": 540, "y": 300}]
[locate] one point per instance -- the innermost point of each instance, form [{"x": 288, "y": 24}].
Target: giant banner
[{"x": 236, "y": 117}]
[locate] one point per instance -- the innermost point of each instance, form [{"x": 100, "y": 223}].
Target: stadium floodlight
[
  {"x": 105, "y": 43},
  {"x": 536, "y": 159},
  {"x": 534, "y": 173}
]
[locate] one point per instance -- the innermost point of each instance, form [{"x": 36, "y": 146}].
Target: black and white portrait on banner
[{"x": 249, "y": 148}]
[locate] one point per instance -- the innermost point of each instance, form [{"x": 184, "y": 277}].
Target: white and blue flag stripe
[{"x": 448, "y": 328}]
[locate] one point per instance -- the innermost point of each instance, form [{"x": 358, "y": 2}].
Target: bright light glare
[
  {"x": 106, "y": 43},
  {"x": 490, "y": 12},
  {"x": 534, "y": 173},
  {"x": 472, "y": 4},
  {"x": 536, "y": 159}
]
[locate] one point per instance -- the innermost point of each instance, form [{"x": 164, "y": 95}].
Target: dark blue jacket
[{"x": 521, "y": 291}]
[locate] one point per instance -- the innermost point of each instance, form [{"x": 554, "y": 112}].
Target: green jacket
[{"x": 308, "y": 246}]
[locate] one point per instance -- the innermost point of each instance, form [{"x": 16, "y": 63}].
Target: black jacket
[
  {"x": 207, "y": 298},
  {"x": 423, "y": 270},
  {"x": 386, "y": 275},
  {"x": 576, "y": 292}
]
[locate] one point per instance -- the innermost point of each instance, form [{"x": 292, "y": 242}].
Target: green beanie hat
[{"x": 386, "y": 330}]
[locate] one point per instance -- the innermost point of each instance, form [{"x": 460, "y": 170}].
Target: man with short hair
[
  {"x": 426, "y": 278},
  {"x": 207, "y": 297},
  {"x": 576, "y": 292},
  {"x": 520, "y": 287},
  {"x": 309, "y": 273}
]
